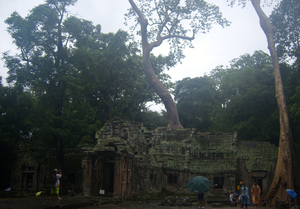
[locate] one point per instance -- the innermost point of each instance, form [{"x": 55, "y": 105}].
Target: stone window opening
[
  {"x": 218, "y": 182},
  {"x": 28, "y": 177},
  {"x": 173, "y": 179}
]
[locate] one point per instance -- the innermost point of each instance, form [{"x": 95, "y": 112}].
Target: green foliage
[
  {"x": 286, "y": 18},
  {"x": 238, "y": 98},
  {"x": 195, "y": 102},
  {"x": 16, "y": 125},
  {"x": 176, "y": 22},
  {"x": 16, "y": 118},
  {"x": 76, "y": 78},
  {"x": 294, "y": 109},
  {"x": 43, "y": 68},
  {"x": 247, "y": 98},
  {"x": 151, "y": 120},
  {"x": 79, "y": 77},
  {"x": 111, "y": 78}
]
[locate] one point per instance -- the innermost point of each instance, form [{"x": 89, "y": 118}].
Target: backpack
[{"x": 53, "y": 178}]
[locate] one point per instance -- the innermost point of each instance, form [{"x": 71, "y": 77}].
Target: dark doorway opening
[
  {"x": 218, "y": 182},
  {"x": 259, "y": 182},
  {"x": 172, "y": 179},
  {"x": 27, "y": 181},
  {"x": 108, "y": 178}
]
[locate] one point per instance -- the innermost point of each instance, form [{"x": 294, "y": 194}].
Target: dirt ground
[
  {"x": 85, "y": 203},
  {"x": 136, "y": 205}
]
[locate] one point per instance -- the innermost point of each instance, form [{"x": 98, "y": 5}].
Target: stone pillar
[
  {"x": 87, "y": 174},
  {"x": 117, "y": 175}
]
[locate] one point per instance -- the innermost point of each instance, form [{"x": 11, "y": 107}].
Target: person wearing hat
[
  {"x": 239, "y": 186},
  {"x": 55, "y": 187}
]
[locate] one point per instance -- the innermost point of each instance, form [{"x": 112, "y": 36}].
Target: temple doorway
[{"x": 102, "y": 177}]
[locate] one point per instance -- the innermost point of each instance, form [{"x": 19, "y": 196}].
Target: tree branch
[
  {"x": 161, "y": 39},
  {"x": 143, "y": 22},
  {"x": 263, "y": 19},
  {"x": 163, "y": 22},
  {"x": 138, "y": 11}
]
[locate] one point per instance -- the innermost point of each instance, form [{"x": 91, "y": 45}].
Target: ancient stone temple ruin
[{"x": 129, "y": 160}]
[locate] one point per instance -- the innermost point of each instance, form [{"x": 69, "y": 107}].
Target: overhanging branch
[{"x": 161, "y": 39}]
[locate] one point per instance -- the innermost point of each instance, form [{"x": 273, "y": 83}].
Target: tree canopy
[
  {"x": 78, "y": 76},
  {"x": 174, "y": 21},
  {"x": 69, "y": 78}
]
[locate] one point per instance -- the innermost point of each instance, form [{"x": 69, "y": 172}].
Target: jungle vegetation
[{"x": 69, "y": 78}]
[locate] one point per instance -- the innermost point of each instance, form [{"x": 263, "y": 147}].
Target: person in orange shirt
[{"x": 255, "y": 194}]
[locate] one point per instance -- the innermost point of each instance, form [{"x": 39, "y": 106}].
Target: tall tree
[
  {"x": 162, "y": 20},
  {"x": 287, "y": 170},
  {"x": 98, "y": 76},
  {"x": 246, "y": 99},
  {"x": 286, "y": 18},
  {"x": 42, "y": 64}
]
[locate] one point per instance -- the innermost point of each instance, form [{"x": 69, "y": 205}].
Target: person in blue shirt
[{"x": 245, "y": 196}]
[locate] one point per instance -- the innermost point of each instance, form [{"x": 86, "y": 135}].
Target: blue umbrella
[
  {"x": 292, "y": 193},
  {"x": 198, "y": 184}
]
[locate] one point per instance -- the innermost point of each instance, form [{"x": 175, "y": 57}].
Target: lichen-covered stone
[
  {"x": 130, "y": 160},
  {"x": 167, "y": 158}
]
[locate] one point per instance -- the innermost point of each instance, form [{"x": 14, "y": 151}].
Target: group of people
[{"x": 243, "y": 199}]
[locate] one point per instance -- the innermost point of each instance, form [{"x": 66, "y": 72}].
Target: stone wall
[
  {"x": 130, "y": 160},
  {"x": 257, "y": 162},
  {"x": 164, "y": 159},
  {"x": 32, "y": 170}
]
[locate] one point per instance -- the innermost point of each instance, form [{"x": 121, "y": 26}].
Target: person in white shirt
[{"x": 55, "y": 186}]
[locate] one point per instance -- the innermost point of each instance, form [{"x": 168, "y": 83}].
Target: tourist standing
[
  {"x": 56, "y": 183},
  {"x": 245, "y": 196},
  {"x": 200, "y": 200},
  {"x": 255, "y": 194}
]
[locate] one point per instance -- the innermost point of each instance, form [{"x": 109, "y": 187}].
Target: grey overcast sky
[{"x": 215, "y": 48}]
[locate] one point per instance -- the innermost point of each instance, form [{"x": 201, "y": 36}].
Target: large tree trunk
[
  {"x": 60, "y": 94},
  {"x": 161, "y": 90},
  {"x": 286, "y": 175},
  {"x": 152, "y": 79}
]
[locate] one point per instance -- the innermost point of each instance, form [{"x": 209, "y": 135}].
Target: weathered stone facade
[
  {"x": 130, "y": 160},
  {"x": 32, "y": 170}
]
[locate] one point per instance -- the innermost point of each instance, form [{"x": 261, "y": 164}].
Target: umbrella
[
  {"x": 292, "y": 193},
  {"x": 198, "y": 184}
]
